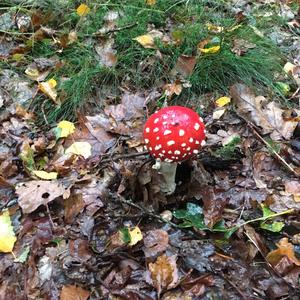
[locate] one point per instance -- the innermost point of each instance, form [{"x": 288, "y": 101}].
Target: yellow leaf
[
  {"x": 148, "y": 40},
  {"x": 48, "y": 88},
  {"x": 45, "y": 175},
  {"x": 151, "y": 2},
  {"x": 210, "y": 50},
  {"x": 289, "y": 67},
  {"x": 7, "y": 235},
  {"x": 214, "y": 28},
  {"x": 18, "y": 56},
  {"x": 32, "y": 73},
  {"x": 145, "y": 40},
  {"x": 135, "y": 235},
  {"x": 66, "y": 128},
  {"x": 80, "y": 148},
  {"x": 222, "y": 101},
  {"x": 82, "y": 10}
]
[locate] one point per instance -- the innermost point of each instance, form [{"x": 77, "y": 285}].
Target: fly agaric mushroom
[{"x": 173, "y": 134}]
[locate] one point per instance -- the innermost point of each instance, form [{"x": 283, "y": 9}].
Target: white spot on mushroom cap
[
  {"x": 161, "y": 155},
  {"x": 173, "y": 157},
  {"x": 170, "y": 152},
  {"x": 183, "y": 144},
  {"x": 197, "y": 142},
  {"x": 191, "y": 140},
  {"x": 157, "y": 138},
  {"x": 165, "y": 117},
  {"x": 167, "y": 131},
  {"x": 163, "y": 151},
  {"x": 147, "y": 129},
  {"x": 165, "y": 123},
  {"x": 177, "y": 152},
  {"x": 184, "y": 155},
  {"x": 170, "y": 143},
  {"x": 146, "y": 141},
  {"x": 203, "y": 143},
  {"x": 200, "y": 119},
  {"x": 188, "y": 148},
  {"x": 156, "y": 120},
  {"x": 181, "y": 132},
  {"x": 156, "y": 129},
  {"x": 197, "y": 126},
  {"x": 204, "y": 130},
  {"x": 150, "y": 148},
  {"x": 157, "y": 147},
  {"x": 173, "y": 115},
  {"x": 195, "y": 151}
]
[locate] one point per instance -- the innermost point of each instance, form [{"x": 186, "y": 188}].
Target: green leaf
[
  {"x": 125, "y": 235},
  {"x": 274, "y": 226},
  {"x": 230, "y": 232}
]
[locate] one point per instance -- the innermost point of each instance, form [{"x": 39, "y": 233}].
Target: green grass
[{"x": 138, "y": 68}]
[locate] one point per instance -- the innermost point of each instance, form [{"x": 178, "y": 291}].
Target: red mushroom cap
[{"x": 174, "y": 133}]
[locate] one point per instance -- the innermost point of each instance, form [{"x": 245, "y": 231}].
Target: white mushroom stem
[{"x": 168, "y": 172}]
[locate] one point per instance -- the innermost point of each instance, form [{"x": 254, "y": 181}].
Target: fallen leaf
[
  {"x": 7, "y": 235},
  {"x": 173, "y": 88},
  {"x": 155, "y": 242},
  {"x": 267, "y": 116},
  {"x": 164, "y": 273},
  {"x": 148, "y": 40},
  {"x": 206, "y": 47},
  {"x": 34, "y": 193},
  {"x": 222, "y": 101},
  {"x": 80, "y": 148},
  {"x": 73, "y": 292},
  {"x": 151, "y": 2},
  {"x": 64, "y": 129},
  {"x": 45, "y": 175},
  {"x": 196, "y": 286},
  {"x": 82, "y": 10},
  {"x": 48, "y": 88},
  {"x": 73, "y": 206},
  {"x": 106, "y": 53},
  {"x": 135, "y": 235},
  {"x": 185, "y": 65},
  {"x": 284, "y": 249},
  {"x": 293, "y": 187},
  {"x": 218, "y": 113}
]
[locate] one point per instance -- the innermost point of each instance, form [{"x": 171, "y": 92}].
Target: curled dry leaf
[
  {"x": 285, "y": 252},
  {"x": 164, "y": 273},
  {"x": 173, "y": 88},
  {"x": 34, "y": 193}
]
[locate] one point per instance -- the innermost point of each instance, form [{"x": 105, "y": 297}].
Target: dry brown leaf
[
  {"x": 73, "y": 206},
  {"x": 293, "y": 187},
  {"x": 34, "y": 193},
  {"x": 106, "y": 53},
  {"x": 164, "y": 273},
  {"x": 73, "y": 292},
  {"x": 185, "y": 65},
  {"x": 156, "y": 242},
  {"x": 284, "y": 249},
  {"x": 173, "y": 88},
  {"x": 269, "y": 118},
  {"x": 93, "y": 129}
]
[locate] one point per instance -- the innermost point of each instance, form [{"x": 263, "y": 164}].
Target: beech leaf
[{"x": 7, "y": 235}]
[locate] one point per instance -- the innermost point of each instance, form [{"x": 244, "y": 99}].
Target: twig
[
  {"x": 273, "y": 152},
  {"x": 146, "y": 211},
  {"x": 111, "y": 30},
  {"x": 123, "y": 156}
]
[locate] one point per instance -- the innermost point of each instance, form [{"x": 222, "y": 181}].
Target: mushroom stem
[{"x": 168, "y": 172}]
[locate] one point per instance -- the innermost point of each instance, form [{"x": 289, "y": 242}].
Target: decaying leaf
[
  {"x": 48, "y": 88},
  {"x": 135, "y": 235},
  {"x": 151, "y": 2},
  {"x": 267, "y": 116},
  {"x": 185, "y": 65},
  {"x": 285, "y": 249},
  {"x": 164, "y": 273},
  {"x": 156, "y": 242},
  {"x": 73, "y": 292},
  {"x": 293, "y": 187},
  {"x": 34, "y": 193},
  {"x": 45, "y": 175},
  {"x": 208, "y": 47},
  {"x": 7, "y": 235},
  {"x": 173, "y": 88},
  {"x": 80, "y": 148}
]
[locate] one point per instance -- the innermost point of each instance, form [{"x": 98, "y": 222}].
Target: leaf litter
[{"x": 94, "y": 224}]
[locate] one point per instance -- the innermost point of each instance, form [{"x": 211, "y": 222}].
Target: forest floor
[{"x": 82, "y": 214}]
